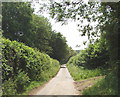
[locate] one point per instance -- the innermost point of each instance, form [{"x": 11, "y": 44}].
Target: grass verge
[
  {"x": 106, "y": 86},
  {"x": 32, "y": 85},
  {"x": 80, "y": 73}
]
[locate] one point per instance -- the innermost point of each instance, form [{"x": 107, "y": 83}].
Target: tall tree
[
  {"x": 58, "y": 43},
  {"x": 42, "y": 33},
  {"x": 19, "y": 23},
  {"x": 61, "y": 51},
  {"x": 16, "y": 20}
]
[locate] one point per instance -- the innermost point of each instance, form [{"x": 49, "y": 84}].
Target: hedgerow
[{"x": 22, "y": 64}]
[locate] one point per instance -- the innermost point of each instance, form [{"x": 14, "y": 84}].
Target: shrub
[
  {"x": 21, "y": 80},
  {"x": 23, "y": 64},
  {"x": 8, "y": 87}
]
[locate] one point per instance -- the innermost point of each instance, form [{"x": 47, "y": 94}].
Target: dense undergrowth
[{"x": 24, "y": 68}]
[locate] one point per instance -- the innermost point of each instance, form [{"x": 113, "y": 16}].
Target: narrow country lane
[{"x": 62, "y": 84}]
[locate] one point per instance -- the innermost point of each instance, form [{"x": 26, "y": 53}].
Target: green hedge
[{"x": 22, "y": 64}]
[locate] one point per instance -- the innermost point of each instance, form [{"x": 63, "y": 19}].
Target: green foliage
[
  {"x": 79, "y": 59},
  {"x": 61, "y": 51},
  {"x": 20, "y": 24},
  {"x": 32, "y": 85},
  {"x": 98, "y": 54},
  {"x": 105, "y": 13},
  {"x": 111, "y": 28},
  {"x": 106, "y": 86},
  {"x": 95, "y": 56},
  {"x": 81, "y": 73},
  {"x": 24, "y": 26},
  {"x": 16, "y": 20},
  {"x": 41, "y": 34},
  {"x": 21, "y": 80},
  {"x": 8, "y": 87},
  {"x": 77, "y": 10},
  {"x": 24, "y": 64}
]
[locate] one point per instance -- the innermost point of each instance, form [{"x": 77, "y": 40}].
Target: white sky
[{"x": 69, "y": 31}]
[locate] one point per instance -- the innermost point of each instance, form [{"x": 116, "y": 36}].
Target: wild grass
[
  {"x": 33, "y": 85},
  {"x": 106, "y": 86},
  {"x": 80, "y": 73}
]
